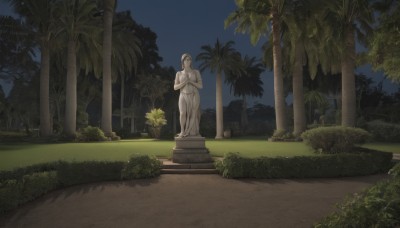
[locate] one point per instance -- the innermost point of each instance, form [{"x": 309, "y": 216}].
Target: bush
[
  {"x": 18, "y": 173},
  {"x": 141, "y": 166},
  {"x": 13, "y": 136},
  {"x": 336, "y": 165},
  {"x": 378, "y": 206},
  {"x": 156, "y": 119},
  {"x": 384, "y": 132},
  {"x": 91, "y": 134},
  {"x": 25, "y": 184},
  {"x": 15, "y": 192},
  {"x": 395, "y": 171},
  {"x": 88, "y": 171},
  {"x": 37, "y": 184},
  {"x": 333, "y": 140}
]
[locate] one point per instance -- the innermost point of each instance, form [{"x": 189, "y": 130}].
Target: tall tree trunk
[
  {"x": 279, "y": 96},
  {"x": 71, "y": 99},
  {"x": 244, "y": 120},
  {"x": 122, "y": 100},
  {"x": 106, "y": 114},
  {"x": 45, "y": 127},
  {"x": 219, "y": 107},
  {"x": 299, "y": 112},
  {"x": 348, "y": 80}
]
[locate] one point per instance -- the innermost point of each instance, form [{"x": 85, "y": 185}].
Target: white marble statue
[{"x": 188, "y": 81}]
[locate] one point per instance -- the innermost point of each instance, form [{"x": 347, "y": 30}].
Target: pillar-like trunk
[
  {"x": 45, "y": 125},
  {"x": 71, "y": 98},
  {"x": 348, "y": 80},
  {"x": 280, "y": 113},
  {"x": 219, "y": 107}
]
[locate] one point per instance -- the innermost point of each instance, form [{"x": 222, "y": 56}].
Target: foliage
[
  {"x": 395, "y": 170},
  {"x": 89, "y": 134},
  {"x": 378, "y": 206},
  {"x": 156, "y": 119},
  {"x": 72, "y": 173},
  {"x": 141, "y": 166},
  {"x": 14, "y": 192},
  {"x": 12, "y": 136},
  {"x": 336, "y": 165},
  {"x": 282, "y": 135},
  {"x": 384, "y": 132},
  {"x": 332, "y": 140},
  {"x": 25, "y": 184},
  {"x": 384, "y": 44}
]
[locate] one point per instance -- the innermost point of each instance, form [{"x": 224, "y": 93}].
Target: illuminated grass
[{"x": 14, "y": 155}]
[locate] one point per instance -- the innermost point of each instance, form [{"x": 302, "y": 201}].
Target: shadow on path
[{"x": 190, "y": 201}]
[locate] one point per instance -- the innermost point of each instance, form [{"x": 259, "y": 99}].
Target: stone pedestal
[{"x": 190, "y": 150}]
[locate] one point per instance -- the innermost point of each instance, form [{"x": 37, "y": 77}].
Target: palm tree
[
  {"x": 255, "y": 17},
  {"x": 126, "y": 49},
  {"x": 247, "y": 83},
  {"x": 106, "y": 113},
  {"x": 40, "y": 15},
  {"x": 346, "y": 18},
  {"x": 222, "y": 58},
  {"x": 76, "y": 24}
]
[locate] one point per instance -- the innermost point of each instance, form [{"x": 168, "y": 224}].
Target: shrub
[
  {"x": 395, "y": 171},
  {"x": 90, "y": 134},
  {"x": 18, "y": 173},
  {"x": 15, "y": 192},
  {"x": 336, "y": 139},
  {"x": 378, "y": 206},
  {"x": 384, "y": 132},
  {"x": 13, "y": 136},
  {"x": 336, "y": 165},
  {"x": 37, "y": 184},
  {"x": 156, "y": 119},
  {"x": 141, "y": 166},
  {"x": 72, "y": 173}
]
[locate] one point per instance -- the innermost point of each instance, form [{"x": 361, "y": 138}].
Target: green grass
[
  {"x": 13, "y": 155},
  {"x": 388, "y": 147}
]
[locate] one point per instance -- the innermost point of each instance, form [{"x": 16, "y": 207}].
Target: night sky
[{"x": 184, "y": 26}]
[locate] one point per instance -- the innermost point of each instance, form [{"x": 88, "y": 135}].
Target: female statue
[{"x": 188, "y": 81}]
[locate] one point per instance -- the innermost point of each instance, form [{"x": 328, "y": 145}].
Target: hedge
[
  {"x": 25, "y": 184},
  {"x": 378, "y": 206},
  {"x": 336, "y": 165}
]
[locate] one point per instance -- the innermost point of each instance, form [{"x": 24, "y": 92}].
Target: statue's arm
[
  {"x": 178, "y": 84},
  {"x": 198, "y": 83}
]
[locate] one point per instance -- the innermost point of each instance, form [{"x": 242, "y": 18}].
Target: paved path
[{"x": 189, "y": 201}]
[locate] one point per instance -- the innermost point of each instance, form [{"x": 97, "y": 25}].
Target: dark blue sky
[{"x": 184, "y": 26}]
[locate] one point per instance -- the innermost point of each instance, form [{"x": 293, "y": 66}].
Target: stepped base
[
  {"x": 190, "y": 150},
  {"x": 185, "y": 168}
]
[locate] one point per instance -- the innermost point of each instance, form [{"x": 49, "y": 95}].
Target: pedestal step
[
  {"x": 169, "y": 167},
  {"x": 189, "y": 171}
]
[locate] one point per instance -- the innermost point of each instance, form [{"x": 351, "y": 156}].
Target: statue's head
[{"x": 185, "y": 56}]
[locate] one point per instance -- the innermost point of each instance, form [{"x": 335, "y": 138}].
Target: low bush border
[
  {"x": 365, "y": 162},
  {"x": 377, "y": 206},
  {"x": 25, "y": 184}
]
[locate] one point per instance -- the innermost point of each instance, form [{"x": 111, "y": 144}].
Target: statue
[{"x": 188, "y": 81}]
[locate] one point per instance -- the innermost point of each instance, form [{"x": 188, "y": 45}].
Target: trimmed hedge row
[
  {"x": 384, "y": 132},
  {"x": 25, "y": 184},
  {"x": 378, "y": 206},
  {"x": 337, "y": 139},
  {"x": 337, "y": 165}
]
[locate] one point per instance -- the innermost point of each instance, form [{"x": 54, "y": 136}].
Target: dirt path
[{"x": 189, "y": 201}]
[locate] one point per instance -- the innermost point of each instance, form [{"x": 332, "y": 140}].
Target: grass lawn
[
  {"x": 14, "y": 155},
  {"x": 388, "y": 147}
]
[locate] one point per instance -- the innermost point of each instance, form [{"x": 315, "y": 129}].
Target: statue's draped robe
[{"x": 189, "y": 100}]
